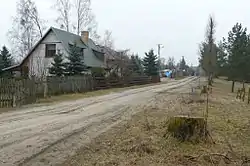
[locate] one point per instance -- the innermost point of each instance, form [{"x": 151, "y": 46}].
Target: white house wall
[{"x": 38, "y": 64}]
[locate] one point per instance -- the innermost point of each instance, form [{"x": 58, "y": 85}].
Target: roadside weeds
[{"x": 143, "y": 139}]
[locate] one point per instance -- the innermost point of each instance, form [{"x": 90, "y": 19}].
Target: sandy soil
[{"x": 46, "y": 135}]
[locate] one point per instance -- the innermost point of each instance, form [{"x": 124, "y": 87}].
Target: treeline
[
  {"x": 131, "y": 65},
  {"x": 232, "y": 55},
  {"x": 71, "y": 15},
  {"x": 74, "y": 64},
  {"x": 180, "y": 66}
]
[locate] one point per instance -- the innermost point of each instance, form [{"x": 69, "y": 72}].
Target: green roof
[{"x": 68, "y": 38}]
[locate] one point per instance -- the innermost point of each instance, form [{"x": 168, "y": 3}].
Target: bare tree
[
  {"x": 93, "y": 31},
  {"x": 27, "y": 27},
  {"x": 38, "y": 22},
  {"x": 64, "y": 9},
  {"x": 29, "y": 9},
  {"x": 81, "y": 16},
  {"x": 108, "y": 40},
  {"x": 85, "y": 18},
  {"x": 210, "y": 33},
  {"x": 121, "y": 63},
  {"x": 40, "y": 72},
  {"x": 171, "y": 63},
  {"x": 210, "y": 53},
  {"x": 39, "y": 66},
  {"x": 83, "y": 12},
  {"x": 162, "y": 63}
]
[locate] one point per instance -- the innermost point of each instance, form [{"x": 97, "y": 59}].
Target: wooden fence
[
  {"x": 15, "y": 92},
  {"x": 64, "y": 85},
  {"x": 104, "y": 83}
]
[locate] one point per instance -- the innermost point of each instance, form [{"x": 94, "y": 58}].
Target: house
[
  {"x": 39, "y": 59},
  {"x": 116, "y": 61}
]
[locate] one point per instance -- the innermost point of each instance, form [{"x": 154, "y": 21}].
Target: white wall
[{"x": 38, "y": 64}]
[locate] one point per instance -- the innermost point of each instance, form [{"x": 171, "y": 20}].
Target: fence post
[
  {"x": 248, "y": 96},
  {"x": 243, "y": 94},
  {"x": 45, "y": 89},
  {"x": 14, "y": 100}
]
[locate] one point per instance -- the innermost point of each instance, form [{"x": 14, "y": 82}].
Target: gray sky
[{"x": 141, "y": 24}]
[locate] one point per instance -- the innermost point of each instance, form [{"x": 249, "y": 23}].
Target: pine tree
[
  {"x": 237, "y": 46},
  {"x": 58, "y": 66},
  {"x": 6, "y": 57},
  {"x": 1, "y": 64},
  {"x": 139, "y": 63},
  {"x": 76, "y": 65},
  {"x": 221, "y": 59},
  {"x": 183, "y": 64},
  {"x": 150, "y": 64},
  {"x": 5, "y": 60},
  {"x": 136, "y": 65}
]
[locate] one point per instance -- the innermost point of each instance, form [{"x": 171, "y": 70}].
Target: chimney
[{"x": 85, "y": 36}]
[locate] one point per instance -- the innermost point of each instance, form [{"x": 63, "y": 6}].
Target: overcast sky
[{"x": 141, "y": 24}]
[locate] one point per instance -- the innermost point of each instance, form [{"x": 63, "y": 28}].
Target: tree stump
[{"x": 186, "y": 128}]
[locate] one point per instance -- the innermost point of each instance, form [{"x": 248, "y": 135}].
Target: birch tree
[
  {"x": 27, "y": 27},
  {"x": 75, "y": 16},
  {"x": 108, "y": 40},
  {"x": 85, "y": 18},
  {"x": 64, "y": 9},
  {"x": 83, "y": 12}
]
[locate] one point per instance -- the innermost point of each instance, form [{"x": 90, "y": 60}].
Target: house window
[{"x": 50, "y": 50}]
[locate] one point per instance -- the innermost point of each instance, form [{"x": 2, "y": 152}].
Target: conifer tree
[
  {"x": 150, "y": 64},
  {"x": 58, "y": 66},
  {"x": 76, "y": 65}
]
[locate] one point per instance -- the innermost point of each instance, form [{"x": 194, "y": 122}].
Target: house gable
[{"x": 37, "y": 61}]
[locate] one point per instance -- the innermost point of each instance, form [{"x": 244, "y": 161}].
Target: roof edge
[{"x": 35, "y": 46}]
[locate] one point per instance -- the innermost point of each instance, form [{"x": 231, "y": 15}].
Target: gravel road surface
[{"x": 46, "y": 135}]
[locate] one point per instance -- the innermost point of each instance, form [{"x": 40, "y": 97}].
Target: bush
[{"x": 98, "y": 72}]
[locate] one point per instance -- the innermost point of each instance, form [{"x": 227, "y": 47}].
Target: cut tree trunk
[{"x": 186, "y": 128}]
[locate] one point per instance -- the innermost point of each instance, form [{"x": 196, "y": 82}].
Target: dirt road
[{"x": 46, "y": 135}]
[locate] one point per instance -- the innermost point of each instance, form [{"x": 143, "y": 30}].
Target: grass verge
[
  {"x": 75, "y": 96},
  {"x": 143, "y": 140}
]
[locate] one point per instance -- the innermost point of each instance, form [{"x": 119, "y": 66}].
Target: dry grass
[
  {"x": 76, "y": 96},
  {"x": 180, "y": 77},
  {"x": 144, "y": 140}
]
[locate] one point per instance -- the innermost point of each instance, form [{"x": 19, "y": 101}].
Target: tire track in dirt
[
  {"x": 67, "y": 106},
  {"x": 65, "y": 125},
  {"x": 75, "y": 132},
  {"x": 2, "y": 145}
]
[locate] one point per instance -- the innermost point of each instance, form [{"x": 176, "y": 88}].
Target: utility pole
[{"x": 159, "y": 57}]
